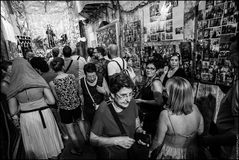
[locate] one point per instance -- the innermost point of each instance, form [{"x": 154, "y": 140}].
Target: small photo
[
  {"x": 232, "y": 19},
  {"x": 169, "y": 26},
  {"x": 216, "y": 32},
  {"x": 169, "y": 16},
  {"x": 205, "y": 23},
  {"x": 209, "y": 4},
  {"x": 207, "y": 33},
  {"x": 159, "y": 36},
  {"x": 200, "y": 15},
  {"x": 229, "y": 29},
  {"x": 200, "y": 34},
  {"x": 230, "y": 9},
  {"x": 217, "y": 11},
  {"x": 215, "y": 22},
  {"x": 163, "y": 36},
  {"x": 209, "y": 14},
  {"x": 224, "y": 46},
  {"x": 174, "y": 3},
  {"x": 169, "y": 36},
  {"x": 224, "y": 21},
  {"x": 179, "y": 30},
  {"x": 154, "y": 37}
]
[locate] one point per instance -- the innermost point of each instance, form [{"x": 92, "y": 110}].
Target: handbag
[{"x": 156, "y": 152}]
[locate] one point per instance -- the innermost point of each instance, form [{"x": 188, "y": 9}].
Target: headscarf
[{"x": 24, "y": 76}]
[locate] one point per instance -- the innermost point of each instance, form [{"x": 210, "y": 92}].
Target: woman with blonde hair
[{"x": 179, "y": 123}]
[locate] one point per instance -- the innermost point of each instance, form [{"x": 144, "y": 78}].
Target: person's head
[
  {"x": 121, "y": 87},
  {"x": 67, "y": 52},
  {"x": 90, "y": 51},
  {"x": 180, "y": 95},
  {"x": 174, "y": 60},
  {"x": 29, "y": 55},
  {"x": 151, "y": 68},
  {"x": 129, "y": 61},
  {"x": 39, "y": 64},
  {"x": 55, "y": 52},
  {"x": 113, "y": 50},
  {"x": 57, "y": 64},
  {"x": 6, "y": 68},
  {"x": 99, "y": 52},
  {"x": 90, "y": 72},
  {"x": 234, "y": 51}
]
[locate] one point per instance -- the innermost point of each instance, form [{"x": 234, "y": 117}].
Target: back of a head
[
  {"x": 89, "y": 68},
  {"x": 101, "y": 50},
  {"x": 39, "y": 63},
  {"x": 113, "y": 50},
  {"x": 119, "y": 81},
  {"x": 67, "y": 52},
  {"x": 90, "y": 51},
  {"x": 55, "y": 52},
  {"x": 180, "y": 95},
  {"x": 57, "y": 64}
]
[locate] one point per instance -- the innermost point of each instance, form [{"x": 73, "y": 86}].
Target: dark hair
[
  {"x": 119, "y": 81},
  {"x": 155, "y": 63},
  {"x": 39, "y": 63},
  {"x": 90, "y": 68},
  {"x": 55, "y": 52},
  {"x": 67, "y": 52},
  {"x": 174, "y": 54},
  {"x": 57, "y": 64},
  {"x": 90, "y": 51},
  {"x": 101, "y": 50}
]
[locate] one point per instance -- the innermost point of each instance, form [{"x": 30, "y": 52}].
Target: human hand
[
  {"x": 165, "y": 69},
  {"x": 124, "y": 141},
  {"x": 100, "y": 89},
  {"x": 15, "y": 121}
]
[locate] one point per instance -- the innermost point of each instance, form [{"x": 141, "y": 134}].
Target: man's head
[
  {"x": 113, "y": 50},
  {"x": 55, "y": 52},
  {"x": 90, "y": 72},
  {"x": 121, "y": 87},
  {"x": 99, "y": 52},
  {"x": 67, "y": 52}
]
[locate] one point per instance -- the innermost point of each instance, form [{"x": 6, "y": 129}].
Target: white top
[{"x": 113, "y": 67}]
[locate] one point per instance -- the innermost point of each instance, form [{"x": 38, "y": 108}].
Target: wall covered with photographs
[{"x": 217, "y": 22}]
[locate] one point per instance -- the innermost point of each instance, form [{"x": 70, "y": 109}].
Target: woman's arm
[
  {"x": 161, "y": 130},
  {"x": 106, "y": 87},
  {"x": 49, "y": 96},
  {"x": 4, "y": 88},
  {"x": 13, "y": 106},
  {"x": 123, "y": 141}
]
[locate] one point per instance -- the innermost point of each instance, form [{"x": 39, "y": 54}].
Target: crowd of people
[{"x": 47, "y": 97}]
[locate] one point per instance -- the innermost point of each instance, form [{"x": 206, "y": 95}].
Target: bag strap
[
  {"x": 68, "y": 66},
  {"x": 78, "y": 58},
  {"x": 119, "y": 64},
  {"x": 88, "y": 91},
  {"x": 116, "y": 118}
]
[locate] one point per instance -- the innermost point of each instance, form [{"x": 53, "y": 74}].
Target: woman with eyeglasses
[
  {"x": 173, "y": 69},
  {"x": 151, "y": 100},
  {"x": 105, "y": 134}
]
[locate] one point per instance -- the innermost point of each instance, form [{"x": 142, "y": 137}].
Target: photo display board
[{"x": 217, "y": 22}]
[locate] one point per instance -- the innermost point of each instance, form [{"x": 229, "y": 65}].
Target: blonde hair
[{"x": 180, "y": 95}]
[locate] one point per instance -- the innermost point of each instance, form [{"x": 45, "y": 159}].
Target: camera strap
[
  {"x": 89, "y": 92},
  {"x": 117, "y": 120}
]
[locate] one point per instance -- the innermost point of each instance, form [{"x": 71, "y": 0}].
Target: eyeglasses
[
  {"x": 124, "y": 96},
  {"x": 150, "y": 68}
]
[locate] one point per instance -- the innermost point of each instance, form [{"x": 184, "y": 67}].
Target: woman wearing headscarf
[{"x": 28, "y": 97}]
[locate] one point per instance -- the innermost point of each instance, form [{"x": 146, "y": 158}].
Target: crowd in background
[{"x": 47, "y": 96}]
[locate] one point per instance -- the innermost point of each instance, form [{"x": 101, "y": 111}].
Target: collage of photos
[
  {"x": 161, "y": 27},
  {"x": 215, "y": 28},
  {"x": 132, "y": 33},
  {"x": 107, "y": 35}
]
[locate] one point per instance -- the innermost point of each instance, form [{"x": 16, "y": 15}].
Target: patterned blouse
[{"x": 66, "y": 90}]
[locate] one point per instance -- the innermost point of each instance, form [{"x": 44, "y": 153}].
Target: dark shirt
[{"x": 180, "y": 73}]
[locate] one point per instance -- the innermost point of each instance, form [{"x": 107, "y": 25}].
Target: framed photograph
[
  {"x": 163, "y": 36},
  {"x": 229, "y": 29},
  {"x": 108, "y": 35},
  {"x": 179, "y": 30},
  {"x": 169, "y": 36},
  {"x": 154, "y": 37},
  {"x": 169, "y": 26},
  {"x": 216, "y": 32}
]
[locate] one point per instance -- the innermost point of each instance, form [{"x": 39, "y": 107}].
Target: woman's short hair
[
  {"x": 101, "y": 50},
  {"x": 67, "y": 51},
  {"x": 119, "y": 81},
  {"x": 180, "y": 95},
  {"x": 89, "y": 68},
  {"x": 57, "y": 64},
  {"x": 90, "y": 51},
  {"x": 155, "y": 63},
  {"x": 39, "y": 63}
]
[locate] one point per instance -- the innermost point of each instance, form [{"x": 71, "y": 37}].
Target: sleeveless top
[
  {"x": 147, "y": 94},
  {"x": 176, "y": 145},
  {"x": 66, "y": 91},
  {"x": 98, "y": 97}
]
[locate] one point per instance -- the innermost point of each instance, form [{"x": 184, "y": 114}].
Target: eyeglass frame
[{"x": 130, "y": 95}]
